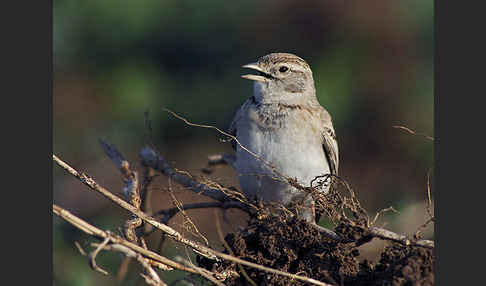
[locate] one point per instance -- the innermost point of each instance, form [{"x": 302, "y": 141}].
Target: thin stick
[
  {"x": 152, "y": 278},
  {"x": 429, "y": 200},
  {"x": 382, "y": 211},
  {"x": 256, "y": 156},
  {"x": 92, "y": 256},
  {"x": 388, "y": 235},
  {"x": 94, "y": 231},
  {"x": 178, "y": 205},
  {"x": 412, "y": 132},
  {"x": 228, "y": 248}
]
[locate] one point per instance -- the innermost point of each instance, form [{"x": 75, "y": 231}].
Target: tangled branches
[{"x": 282, "y": 228}]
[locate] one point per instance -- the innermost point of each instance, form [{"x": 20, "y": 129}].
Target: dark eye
[{"x": 283, "y": 69}]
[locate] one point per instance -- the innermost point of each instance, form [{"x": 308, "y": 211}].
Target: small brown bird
[{"x": 289, "y": 131}]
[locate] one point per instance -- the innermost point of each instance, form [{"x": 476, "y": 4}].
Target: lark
[{"x": 282, "y": 130}]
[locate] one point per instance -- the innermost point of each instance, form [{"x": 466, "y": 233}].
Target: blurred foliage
[{"x": 113, "y": 60}]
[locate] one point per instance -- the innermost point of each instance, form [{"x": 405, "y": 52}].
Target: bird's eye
[{"x": 283, "y": 69}]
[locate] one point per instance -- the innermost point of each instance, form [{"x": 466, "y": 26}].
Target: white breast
[{"x": 294, "y": 148}]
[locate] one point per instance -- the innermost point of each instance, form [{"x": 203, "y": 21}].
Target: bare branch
[
  {"x": 203, "y": 250},
  {"x": 429, "y": 200},
  {"x": 92, "y": 257},
  {"x": 157, "y": 162},
  {"x": 412, "y": 132},
  {"x": 389, "y": 235},
  {"x": 80, "y": 249},
  {"x": 137, "y": 204},
  {"x": 88, "y": 181},
  {"x": 228, "y": 248},
  {"x": 431, "y": 217},
  {"x": 383, "y": 211},
  {"x": 152, "y": 278},
  {"x": 178, "y": 205},
  {"x": 151, "y": 159},
  {"x": 114, "y": 239}
]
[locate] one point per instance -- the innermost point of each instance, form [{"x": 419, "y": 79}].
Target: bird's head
[{"x": 281, "y": 78}]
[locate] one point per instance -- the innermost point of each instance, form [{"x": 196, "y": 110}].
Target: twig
[
  {"x": 228, "y": 248},
  {"x": 382, "y": 211},
  {"x": 413, "y": 132},
  {"x": 114, "y": 239},
  {"x": 151, "y": 159},
  {"x": 389, "y": 235},
  {"x": 256, "y": 156},
  {"x": 80, "y": 249},
  {"x": 131, "y": 188},
  {"x": 146, "y": 193},
  {"x": 92, "y": 257},
  {"x": 431, "y": 217},
  {"x": 429, "y": 200},
  {"x": 178, "y": 205},
  {"x": 132, "y": 193},
  {"x": 170, "y": 213},
  {"x": 375, "y": 231},
  {"x": 88, "y": 181},
  {"x": 132, "y": 254},
  {"x": 152, "y": 278}
]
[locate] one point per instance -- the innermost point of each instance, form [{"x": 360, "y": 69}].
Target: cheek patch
[
  {"x": 297, "y": 87},
  {"x": 295, "y": 83}
]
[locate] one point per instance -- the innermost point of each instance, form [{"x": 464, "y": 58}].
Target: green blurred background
[{"x": 113, "y": 60}]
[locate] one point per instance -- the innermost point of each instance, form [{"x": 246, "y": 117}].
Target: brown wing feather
[{"x": 329, "y": 142}]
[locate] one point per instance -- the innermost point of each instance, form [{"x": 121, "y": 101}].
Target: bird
[{"x": 282, "y": 129}]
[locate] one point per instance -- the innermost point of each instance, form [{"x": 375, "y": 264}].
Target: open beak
[{"x": 255, "y": 66}]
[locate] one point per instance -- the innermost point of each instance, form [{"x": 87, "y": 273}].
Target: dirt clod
[{"x": 291, "y": 245}]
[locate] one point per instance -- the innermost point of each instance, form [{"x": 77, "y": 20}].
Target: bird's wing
[
  {"x": 329, "y": 142},
  {"x": 239, "y": 114}
]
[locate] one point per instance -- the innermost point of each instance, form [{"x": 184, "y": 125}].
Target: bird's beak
[{"x": 254, "y": 66}]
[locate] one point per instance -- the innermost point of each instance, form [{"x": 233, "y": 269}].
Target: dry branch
[
  {"x": 168, "y": 214},
  {"x": 152, "y": 159},
  {"x": 413, "y": 132},
  {"x": 197, "y": 247},
  {"x": 390, "y": 235},
  {"x": 225, "y": 198},
  {"x": 116, "y": 240},
  {"x": 132, "y": 193},
  {"x": 172, "y": 233}
]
